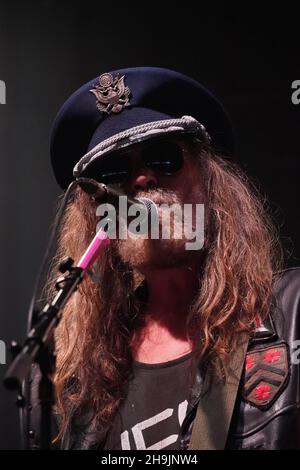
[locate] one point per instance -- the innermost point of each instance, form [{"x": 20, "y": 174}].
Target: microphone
[{"x": 104, "y": 194}]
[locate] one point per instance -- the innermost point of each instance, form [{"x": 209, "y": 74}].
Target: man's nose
[{"x": 143, "y": 178}]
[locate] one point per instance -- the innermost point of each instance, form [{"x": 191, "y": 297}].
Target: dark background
[{"x": 247, "y": 57}]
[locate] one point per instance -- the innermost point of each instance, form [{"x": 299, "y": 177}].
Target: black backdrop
[{"x": 48, "y": 48}]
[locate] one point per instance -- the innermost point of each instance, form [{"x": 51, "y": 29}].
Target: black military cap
[{"x": 126, "y": 106}]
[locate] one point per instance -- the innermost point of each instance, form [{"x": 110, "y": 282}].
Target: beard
[{"x": 145, "y": 253}]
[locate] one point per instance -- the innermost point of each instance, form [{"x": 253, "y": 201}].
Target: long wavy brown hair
[{"x": 93, "y": 340}]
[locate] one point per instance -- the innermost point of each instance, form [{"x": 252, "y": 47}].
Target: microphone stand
[{"x": 39, "y": 344}]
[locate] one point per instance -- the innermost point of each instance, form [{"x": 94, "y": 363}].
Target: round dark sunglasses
[{"x": 165, "y": 157}]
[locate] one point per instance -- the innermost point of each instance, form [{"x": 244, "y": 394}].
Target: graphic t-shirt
[{"x": 155, "y": 407}]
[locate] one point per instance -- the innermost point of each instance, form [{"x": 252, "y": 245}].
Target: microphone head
[
  {"x": 150, "y": 212},
  {"x": 106, "y": 194},
  {"x": 150, "y": 205}
]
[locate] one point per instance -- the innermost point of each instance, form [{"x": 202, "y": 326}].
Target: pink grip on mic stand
[{"x": 97, "y": 244}]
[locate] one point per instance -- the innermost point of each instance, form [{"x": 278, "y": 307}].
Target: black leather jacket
[
  {"x": 267, "y": 409},
  {"x": 276, "y": 426}
]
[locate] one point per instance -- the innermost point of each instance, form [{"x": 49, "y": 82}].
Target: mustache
[{"x": 160, "y": 196}]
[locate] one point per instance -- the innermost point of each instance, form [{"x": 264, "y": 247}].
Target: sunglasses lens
[
  {"x": 110, "y": 170},
  {"x": 165, "y": 157},
  {"x": 114, "y": 177}
]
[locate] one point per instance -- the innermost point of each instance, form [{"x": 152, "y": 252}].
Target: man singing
[{"x": 147, "y": 344}]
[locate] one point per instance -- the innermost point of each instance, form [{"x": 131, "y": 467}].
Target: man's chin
[{"x": 148, "y": 255}]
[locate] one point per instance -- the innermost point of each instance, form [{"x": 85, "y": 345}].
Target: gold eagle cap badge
[{"x": 111, "y": 93}]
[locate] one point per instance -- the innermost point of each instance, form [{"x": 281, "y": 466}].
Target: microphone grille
[{"x": 151, "y": 207}]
